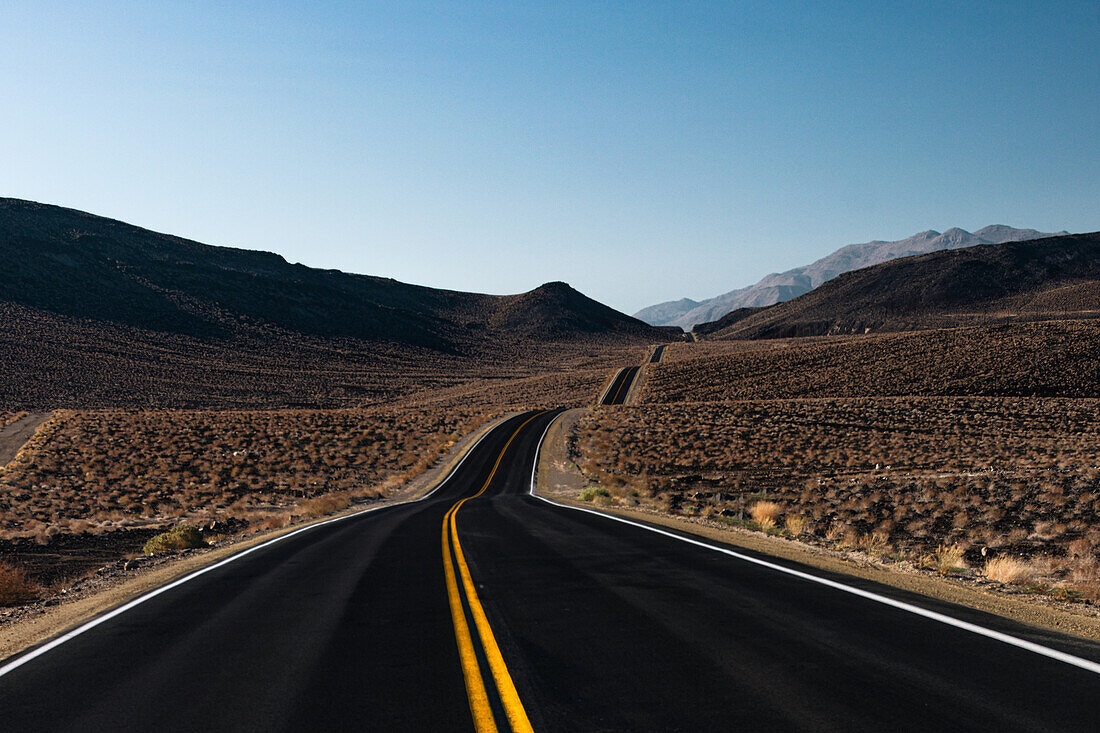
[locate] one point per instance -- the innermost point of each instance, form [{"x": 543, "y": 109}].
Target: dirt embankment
[{"x": 15, "y": 434}]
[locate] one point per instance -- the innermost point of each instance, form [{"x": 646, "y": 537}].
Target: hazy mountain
[
  {"x": 783, "y": 286},
  {"x": 1055, "y": 277},
  {"x": 666, "y": 313}
]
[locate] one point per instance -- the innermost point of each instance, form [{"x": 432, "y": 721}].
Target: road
[
  {"x": 620, "y": 386},
  {"x": 14, "y": 435},
  {"x": 503, "y": 611}
]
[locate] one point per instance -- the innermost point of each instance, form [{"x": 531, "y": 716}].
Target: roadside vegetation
[
  {"x": 963, "y": 486},
  {"x": 180, "y": 537},
  {"x": 1049, "y": 359},
  {"x": 15, "y": 586},
  {"x": 105, "y": 470}
]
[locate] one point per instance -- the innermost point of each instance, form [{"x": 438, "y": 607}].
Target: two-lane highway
[
  {"x": 348, "y": 625},
  {"x": 484, "y": 607},
  {"x": 620, "y": 386}
]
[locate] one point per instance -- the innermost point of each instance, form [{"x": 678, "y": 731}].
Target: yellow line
[
  {"x": 620, "y": 389},
  {"x": 513, "y": 706},
  {"x": 471, "y": 670}
]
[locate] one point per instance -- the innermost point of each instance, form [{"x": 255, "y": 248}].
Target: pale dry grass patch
[
  {"x": 795, "y": 524},
  {"x": 1009, "y": 570},
  {"x": 766, "y": 513},
  {"x": 945, "y": 559}
]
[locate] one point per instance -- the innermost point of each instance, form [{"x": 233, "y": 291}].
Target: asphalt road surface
[
  {"x": 620, "y": 387},
  {"x": 503, "y": 611}
]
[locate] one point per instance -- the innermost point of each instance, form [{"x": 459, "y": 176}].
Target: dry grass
[
  {"x": 946, "y": 559},
  {"x": 182, "y": 537},
  {"x": 765, "y": 513},
  {"x": 15, "y": 586},
  {"x": 795, "y": 524},
  {"x": 1008, "y": 570},
  {"x": 115, "y": 469},
  {"x": 1011, "y": 474}
]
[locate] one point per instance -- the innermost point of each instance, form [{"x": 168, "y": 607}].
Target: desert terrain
[{"x": 945, "y": 447}]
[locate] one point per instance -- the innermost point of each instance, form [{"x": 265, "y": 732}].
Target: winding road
[{"x": 483, "y": 607}]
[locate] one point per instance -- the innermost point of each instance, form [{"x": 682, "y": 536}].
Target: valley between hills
[{"x": 937, "y": 413}]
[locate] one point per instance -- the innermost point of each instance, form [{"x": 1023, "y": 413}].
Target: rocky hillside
[
  {"x": 75, "y": 264},
  {"x": 783, "y": 286},
  {"x": 1055, "y": 277}
]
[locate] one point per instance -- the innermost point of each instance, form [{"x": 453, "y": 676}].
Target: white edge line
[
  {"x": 901, "y": 605},
  {"x": 21, "y": 660},
  {"x": 603, "y": 393}
]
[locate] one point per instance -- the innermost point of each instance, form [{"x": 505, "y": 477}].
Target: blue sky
[{"x": 640, "y": 151}]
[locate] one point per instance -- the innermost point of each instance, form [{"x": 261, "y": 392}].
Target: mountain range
[
  {"x": 1054, "y": 277},
  {"x": 783, "y": 286}
]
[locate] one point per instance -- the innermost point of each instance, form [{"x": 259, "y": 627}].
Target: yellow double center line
[{"x": 471, "y": 670}]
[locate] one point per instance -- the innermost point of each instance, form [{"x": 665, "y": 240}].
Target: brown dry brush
[
  {"x": 15, "y": 586},
  {"x": 1025, "y": 359},
  {"x": 898, "y": 476},
  {"x": 109, "y": 469}
]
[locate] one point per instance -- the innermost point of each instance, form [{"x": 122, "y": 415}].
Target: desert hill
[
  {"x": 783, "y": 286},
  {"x": 97, "y": 312},
  {"x": 76, "y": 264},
  {"x": 1056, "y": 277}
]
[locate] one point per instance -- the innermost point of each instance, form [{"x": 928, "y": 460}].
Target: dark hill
[
  {"x": 734, "y": 316},
  {"x": 96, "y": 312},
  {"x": 1056, "y": 277},
  {"x": 77, "y": 264}
]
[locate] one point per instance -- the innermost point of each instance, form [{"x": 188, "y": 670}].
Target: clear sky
[{"x": 640, "y": 151}]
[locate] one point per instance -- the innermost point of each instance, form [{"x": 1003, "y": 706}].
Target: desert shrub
[
  {"x": 874, "y": 543},
  {"x": 1037, "y": 358},
  {"x": 945, "y": 559},
  {"x": 592, "y": 492},
  {"x": 15, "y": 587},
  {"x": 183, "y": 537},
  {"x": 1008, "y": 570},
  {"x": 795, "y": 524},
  {"x": 271, "y": 521},
  {"x": 1000, "y": 472},
  {"x": 322, "y": 505},
  {"x": 765, "y": 513}
]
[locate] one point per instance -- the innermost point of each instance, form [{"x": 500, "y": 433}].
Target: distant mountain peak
[
  {"x": 555, "y": 286},
  {"x": 1052, "y": 277},
  {"x": 783, "y": 286}
]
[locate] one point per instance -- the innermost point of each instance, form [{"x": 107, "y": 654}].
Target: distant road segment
[{"x": 620, "y": 387}]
